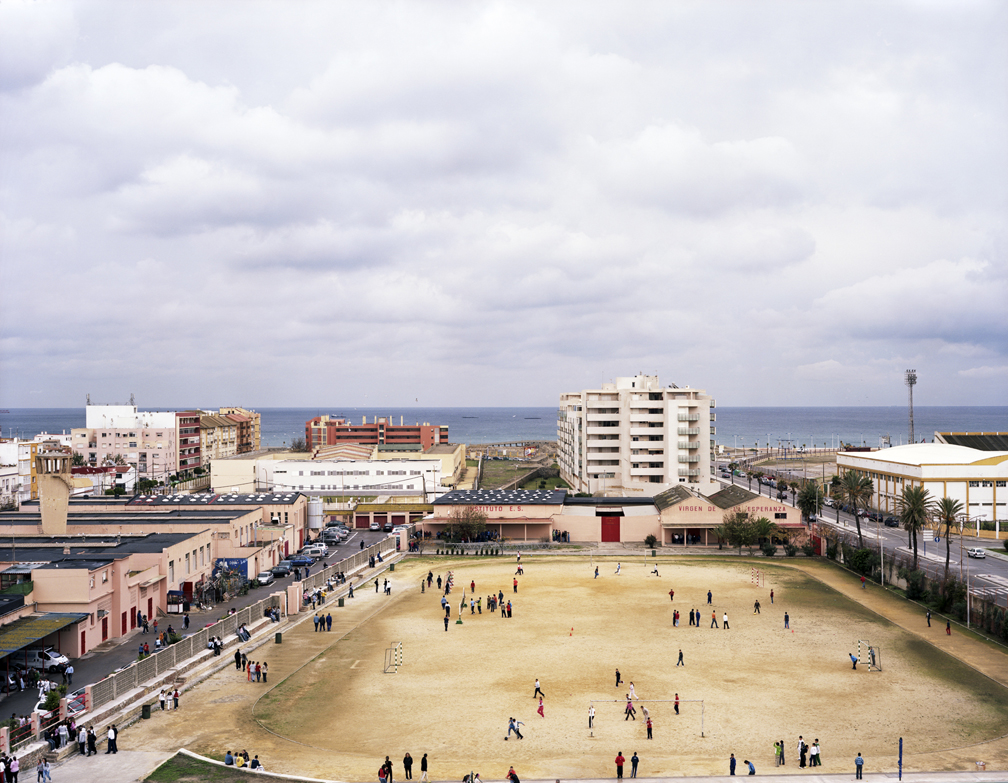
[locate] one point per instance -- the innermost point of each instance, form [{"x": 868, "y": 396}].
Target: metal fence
[{"x": 122, "y": 682}]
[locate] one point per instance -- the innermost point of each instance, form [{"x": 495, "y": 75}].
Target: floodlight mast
[{"x": 911, "y": 381}]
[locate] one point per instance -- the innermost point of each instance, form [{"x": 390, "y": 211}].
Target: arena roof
[{"x": 919, "y": 454}]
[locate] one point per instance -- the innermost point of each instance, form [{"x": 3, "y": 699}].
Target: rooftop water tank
[{"x": 316, "y": 519}]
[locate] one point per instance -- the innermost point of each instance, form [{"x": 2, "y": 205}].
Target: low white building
[
  {"x": 978, "y": 479},
  {"x": 329, "y": 477},
  {"x": 9, "y": 484}
]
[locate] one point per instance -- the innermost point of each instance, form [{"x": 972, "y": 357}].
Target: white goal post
[
  {"x": 393, "y": 658},
  {"x": 869, "y": 655}
]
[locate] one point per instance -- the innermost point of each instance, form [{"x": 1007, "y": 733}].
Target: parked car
[
  {"x": 46, "y": 659},
  {"x": 282, "y": 568},
  {"x": 316, "y": 550},
  {"x": 374, "y": 526},
  {"x": 828, "y": 502},
  {"x": 388, "y": 527},
  {"x": 75, "y": 702},
  {"x": 891, "y": 522},
  {"x": 265, "y": 578},
  {"x": 975, "y": 551},
  {"x": 302, "y": 560}
]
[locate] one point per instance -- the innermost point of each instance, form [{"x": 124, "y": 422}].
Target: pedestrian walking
[
  {"x": 265, "y": 671},
  {"x": 591, "y": 716},
  {"x": 858, "y": 765},
  {"x": 713, "y": 620},
  {"x": 618, "y": 680},
  {"x": 423, "y": 766},
  {"x": 676, "y": 704},
  {"x": 633, "y": 764},
  {"x": 596, "y": 572},
  {"x": 948, "y": 627},
  {"x": 540, "y": 710},
  {"x": 538, "y": 690},
  {"x": 771, "y": 596},
  {"x": 680, "y": 661},
  {"x": 630, "y": 712},
  {"x": 238, "y": 659},
  {"x": 69, "y": 674},
  {"x": 671, "y": 595},
  {"x": 161, "y": 699},
  {"x": 862, "y": 583},
  {"x": 618, "y": 567},
  {"x": 929, "y": 617},
  {"x": 726, "y": 621},
  {"x": 620, "y": 761},
  {"x": 328, "y": 621}
]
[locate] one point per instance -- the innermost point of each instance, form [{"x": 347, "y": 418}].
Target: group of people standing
[
  {"x": 385, "y": 770},
  {"x": 255, "y": 671}
]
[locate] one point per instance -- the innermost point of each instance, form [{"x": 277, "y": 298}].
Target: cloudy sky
[{"x": 490, "y": 203}]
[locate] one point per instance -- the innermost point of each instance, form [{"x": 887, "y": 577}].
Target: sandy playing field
[{"x": 339, "y": 715}]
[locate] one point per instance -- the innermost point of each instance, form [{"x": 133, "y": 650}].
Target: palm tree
[
  {"x": 759, "y": 481},
  {"x": 732, "y": 467},
  {"x": 856, "y": 490},
  {"x": 916, "y": 506},
  {"x": 749, "y": 475},
  {"x": 763, "y": 528},
  {"x": 948, "y": 511}
]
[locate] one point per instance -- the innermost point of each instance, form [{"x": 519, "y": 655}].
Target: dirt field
[{"x": 340, "y": 715}]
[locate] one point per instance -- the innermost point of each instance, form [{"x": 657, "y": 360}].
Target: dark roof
[
  {"x": 671, "y": 496},
  {"x": 28, "y": 630},
  {"x": 210, "y": 498},
  {"x": 593, "y": 501},
  {"x": 32, "y": 552},
  {"x": 731, "y": 496},
  {"x": 503, "y": 497},
  {"x": 983, "y": 441}
]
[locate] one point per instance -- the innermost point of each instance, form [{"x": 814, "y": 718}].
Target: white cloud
[{"x": 489, "y": 203}]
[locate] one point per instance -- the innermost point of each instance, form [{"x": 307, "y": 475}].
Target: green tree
[
  {"x": 732, "y": 467},
  {"x": 856, "y": 490},
  {"x": 948, "y": 511},
  {"x": 119, "y": 459},
  {"x": 749, "y": 475},
  {"x": 810, "y": 499},
  {"x": 465, "y": 523},
  {"x": 763, "y": 529},
  {"x": 298, "y": 445},
  {"x": 77, "y": 460},
  {"x": 759, "y": 481},
  {"x": 916, "y": 507}
]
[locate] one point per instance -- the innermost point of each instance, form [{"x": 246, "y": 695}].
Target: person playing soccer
[
  {"x": 540, "y": 710},
  {"x": 618, "y": 566},
  {"x": 538, "y": 690}
]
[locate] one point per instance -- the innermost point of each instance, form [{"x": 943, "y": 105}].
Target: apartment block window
[
  {"x": 171, "y": 572},
  {"x": 187, "y": 569}
]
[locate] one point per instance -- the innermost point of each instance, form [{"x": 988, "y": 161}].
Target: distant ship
[
  {"x": 470, "y": 417},
  {"x": 527, "y": 418}
]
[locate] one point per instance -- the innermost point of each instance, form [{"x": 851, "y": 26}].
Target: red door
[
  {"x": 104, "y": 628},
  {"x": 123, "y": 632},
  {"x": 363, "y": 522},
  {"x": 150, "y": 607},
  {"x": 83, "y": 642},
  {"x": 610, "y": 529}
]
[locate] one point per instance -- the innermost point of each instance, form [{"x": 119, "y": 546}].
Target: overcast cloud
[{"x": 490, "y": 203}]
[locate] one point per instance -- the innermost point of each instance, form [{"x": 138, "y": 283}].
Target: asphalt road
[
  {"x": 989, "y": 573},
  {"x": 113, "y": 655}
]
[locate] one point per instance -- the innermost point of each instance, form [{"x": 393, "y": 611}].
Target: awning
[
  {"x": 153, "y": 581},
  {"x": 26, "y": 631}
]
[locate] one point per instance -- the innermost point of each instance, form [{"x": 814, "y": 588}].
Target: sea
[{"x": 810, "y": 427}]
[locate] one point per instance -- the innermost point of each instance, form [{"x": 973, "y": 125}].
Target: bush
[
  {"x": 831, "y": 549},
  {"x": 916, "y": 584},
  {"x": 861, "y": 561},
  {"x": 808, "y": 548},
  {"x": 650, "y": 541},
  {"x": 1006, "y": 544},
  {"x": 768, "y": 549},
  {"x": 790, "y": 549}
]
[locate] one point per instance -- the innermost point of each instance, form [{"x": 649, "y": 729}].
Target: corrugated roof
[
  {"x": 731, "y": 496},
  {"x": 982, "y": 441},
  {"x": 28, "y": 630}
]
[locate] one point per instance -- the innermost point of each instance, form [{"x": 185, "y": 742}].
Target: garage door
[
  {"x": 362, "y": 522},
  {"x": 610, "y": 529}
]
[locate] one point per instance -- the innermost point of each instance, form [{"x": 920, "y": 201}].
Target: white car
[
  {"x": 828, "y": 502},
  {"x": 265, "y": 578},
  {"x": 975, "y": 551},
  {"x": 374, "y": 526}
]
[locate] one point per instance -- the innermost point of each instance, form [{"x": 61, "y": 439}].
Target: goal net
[
  {"x": 869, "y": 655},
  {"x": 393, "y": 658}
]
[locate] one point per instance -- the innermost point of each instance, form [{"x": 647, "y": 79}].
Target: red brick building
[{"x": 329, "y": 431}]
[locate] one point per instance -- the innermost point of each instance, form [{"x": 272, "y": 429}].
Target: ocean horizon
[{"x": 736, "y": 426}]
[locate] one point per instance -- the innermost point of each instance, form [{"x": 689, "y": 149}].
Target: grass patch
[
  {"x": 554, "y": 482},
  {"x": 498, "y": 472},
  {"x": 184, "y": 769}
]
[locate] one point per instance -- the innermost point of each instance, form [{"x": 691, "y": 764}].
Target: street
[{"x": 119, "y": 652}]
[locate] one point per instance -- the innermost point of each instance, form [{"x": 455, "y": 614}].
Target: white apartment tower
[{"x": 635, "y": 437}]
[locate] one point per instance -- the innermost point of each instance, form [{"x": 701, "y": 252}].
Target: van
[
  {"x": 316, "y": 550},
  {"x": 46, "y": 659}
]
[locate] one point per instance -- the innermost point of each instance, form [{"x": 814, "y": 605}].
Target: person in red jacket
[{"x": 619, "y": 764}]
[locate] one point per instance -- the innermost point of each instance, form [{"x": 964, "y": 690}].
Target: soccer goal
[
  {"x": 393, "y": 658},
  {"x": 756, "y": 577},
  {"x": 869, "y": 655}
]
